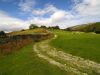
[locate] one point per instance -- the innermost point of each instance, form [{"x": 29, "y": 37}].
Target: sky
[{"x": 19, "y": 14}]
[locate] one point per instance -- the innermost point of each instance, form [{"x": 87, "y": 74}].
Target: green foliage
[
  {"x": 43, "y": 27},
  {"x": 22, "y": 30},
  {"x": 68, "y": 29},
  {"x": 86, "y": 45},
  {"x": 2, "y": 34},
  {"x": 54, "y": 27},
  {"x": 33, "y": 26}
]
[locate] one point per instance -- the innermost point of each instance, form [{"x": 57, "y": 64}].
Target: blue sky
[
  {"x": 13, "y": 9},
  {"x": 19, "y": 14}
]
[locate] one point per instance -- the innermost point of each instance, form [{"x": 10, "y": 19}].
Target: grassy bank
[
  {"x": 19, "y": 39},
  {"x": 86, "y": 45},
  {"x": 25, "y": 62},
  {"x": 28, "y": 31}
]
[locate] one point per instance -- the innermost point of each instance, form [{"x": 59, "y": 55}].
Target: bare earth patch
[{"x": 74, "y": 65}]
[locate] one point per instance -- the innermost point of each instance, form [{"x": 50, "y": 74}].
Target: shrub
[
  {"x": 2, "y": 34},
  {"x": 43, "y": 26},
  {"x": 33, "y": 26}
]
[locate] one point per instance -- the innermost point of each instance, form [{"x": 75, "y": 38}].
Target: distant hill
[{"x": 92, "y": 27}]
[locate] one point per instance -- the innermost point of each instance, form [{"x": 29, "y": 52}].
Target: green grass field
[
  {"x": 25, "y": 62},
  {"x": 86, "y": 45}
]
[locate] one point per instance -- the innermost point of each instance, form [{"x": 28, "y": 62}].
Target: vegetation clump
[
  {"x": 54, "y": 27},
  {"x": 33, "y": 26},
  {"x": 2, "y": 34}
]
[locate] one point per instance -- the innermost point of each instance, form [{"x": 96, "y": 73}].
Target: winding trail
[{"x": 74, "y": 65}]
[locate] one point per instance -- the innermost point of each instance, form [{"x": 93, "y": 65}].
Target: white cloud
[
  {"x": 26, "y": 5},
  {"x": 88, "y": 8},
  {"x": 85, "y": 11},
  {"x": 56, "y": 15},
  {"x": 48, "y": 9},
  {"x": 8, "y": 23}
]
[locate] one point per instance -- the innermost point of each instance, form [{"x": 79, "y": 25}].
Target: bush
[
  {"x": 2, "y": 34},
  {"x": 43, "y": 26},
  {"x": 54, "y": 27},
  {"x": 33, "y": 26},
  {"x": 97, "y": 31}
]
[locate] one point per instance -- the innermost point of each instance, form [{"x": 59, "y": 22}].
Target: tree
[
  {"x": 56, "y": 27},
  {"x": 22, "y": 30},
  {"x": 68, "y": 29},
  {"x": 43, "y": 26},
  {"x": 97, "y": 30},
  {"x": 2, "y": 34},
  {"x": 33, "y": 26}
]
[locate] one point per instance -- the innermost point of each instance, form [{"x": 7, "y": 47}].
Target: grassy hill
[
  {"x": 92, "y": 27},
  {"x": 19, "y": 39},
  {"x": 25, "y": 61}
]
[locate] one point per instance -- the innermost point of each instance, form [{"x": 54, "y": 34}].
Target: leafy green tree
[
  {"x": 68, "y": 29},
  {"x": 43, "y": 26},
  {"x": 33, "y": 26},
  {"x": 2, "y": 34},
  {"x": 54, "y": 27}
]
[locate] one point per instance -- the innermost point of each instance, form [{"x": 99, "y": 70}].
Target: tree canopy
[
  {"x": 2, "y": 34},
  {"x": 33, "y": 26}
]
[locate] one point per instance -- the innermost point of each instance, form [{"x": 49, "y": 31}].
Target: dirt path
[{"x": 74, "y": 65}]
